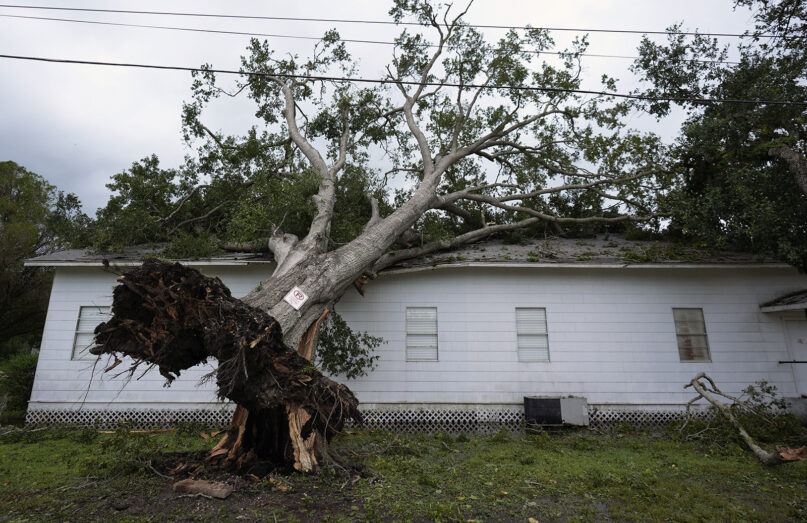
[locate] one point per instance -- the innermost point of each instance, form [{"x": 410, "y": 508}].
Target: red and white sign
[{"x": 296, "y": 298}]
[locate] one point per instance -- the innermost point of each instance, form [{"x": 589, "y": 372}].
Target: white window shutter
[
  {"x": 89, "y": 317},
  {"x": 421, "y": 333},
  {"x": 533, "y": 339}
]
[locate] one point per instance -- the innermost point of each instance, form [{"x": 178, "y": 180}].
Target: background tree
[
  {"x": 478, "y": 138},
  {"x": 743, "y": 165},
  {"x": 35, "y": 219}
]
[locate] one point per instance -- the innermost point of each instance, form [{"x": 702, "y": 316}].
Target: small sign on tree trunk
[{"x": 296, "y": 298}]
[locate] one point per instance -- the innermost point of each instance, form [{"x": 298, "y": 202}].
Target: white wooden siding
[
  {"x": 611, "y": 332},
  {"x": 64, "y": 383}
]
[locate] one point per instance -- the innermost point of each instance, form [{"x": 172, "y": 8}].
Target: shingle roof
[
  {"x": 600, "y": 250},
  {"x": 608, "y": 250},
  {"x": 135, "y": 255}
]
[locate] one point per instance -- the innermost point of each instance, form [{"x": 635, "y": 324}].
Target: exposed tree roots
[{"x": 173, "y": 317}]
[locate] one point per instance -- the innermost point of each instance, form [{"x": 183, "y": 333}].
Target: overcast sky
[{"x": 77, "y": 125}]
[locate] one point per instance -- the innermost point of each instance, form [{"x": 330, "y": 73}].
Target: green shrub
[
  {"x": 17, "y": 345},
  {"x": 15, "y": 384}
]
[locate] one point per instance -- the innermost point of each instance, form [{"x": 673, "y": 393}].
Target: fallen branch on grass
[{"x": 780, "y": 454}]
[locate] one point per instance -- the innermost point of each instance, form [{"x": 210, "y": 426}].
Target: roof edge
[
  {"x": 781, "y": 308},
  {"x": 400, "y": 270},
  {"x": 134, "y": 263},
  {"x": 517, "y": 265}
]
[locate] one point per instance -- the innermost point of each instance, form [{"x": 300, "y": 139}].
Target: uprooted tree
[
  {"x": 174, "y": 318},
  {"x": 480, "y": 138}
]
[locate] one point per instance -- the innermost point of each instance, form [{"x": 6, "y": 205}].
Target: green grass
[
  {"x": 578, "y": 476},
  {"x": 560, "y": 476}
]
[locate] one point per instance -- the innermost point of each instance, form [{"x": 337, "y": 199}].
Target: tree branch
[
  {"x": 308, "y": 150},
  {"x": 571, "y": 186},
  {"x": 469, "y": 237},
  {"x": 496, "y": 202},
  {"x": 215, "y": 138},
  {"x": 375, "y": 216},
  {"x": 457, "y": 211},
  {"x": 247, "y": 246},
  {"x": 198, "y": 218},
  {"x": 182, "y": 202},
  {"x": 281, "y": 246}
]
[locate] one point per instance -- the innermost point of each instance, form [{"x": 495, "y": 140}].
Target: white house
[{"x": 470, "y": 333}]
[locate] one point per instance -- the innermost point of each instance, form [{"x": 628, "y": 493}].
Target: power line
[
  {"x": 403, "y": 82},
  {"x": 299, "y": 37},
  {"x": 373, "y": 22}
]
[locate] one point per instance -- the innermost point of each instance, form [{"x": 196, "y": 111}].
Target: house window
[
  {"x": 690, "y": 329},
  {"x": 533, "y": 340},
  {"x": 421, "y": 333},
  {"x": 88, "y": 318}
]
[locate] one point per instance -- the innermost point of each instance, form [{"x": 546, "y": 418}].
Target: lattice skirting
[
  {"x": 444, "y": 420},
  {"x": 414, "y": 420},
  {"x": 146, "y": 418},
  {"x": 605, "y": 417}
]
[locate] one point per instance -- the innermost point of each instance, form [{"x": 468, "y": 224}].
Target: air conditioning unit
[{"x": 543, "y": 410}]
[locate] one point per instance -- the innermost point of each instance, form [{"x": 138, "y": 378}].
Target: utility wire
[
  {"x": 374, "y": 22},
  {"x": 298, "y": 37},
  {"x": 403, "y": 82}
]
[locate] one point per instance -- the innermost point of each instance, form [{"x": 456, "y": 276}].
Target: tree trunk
[{"x": 173, "y": 317}]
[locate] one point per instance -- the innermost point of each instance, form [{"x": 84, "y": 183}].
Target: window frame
[
  {"x": 407, "y": 334},
  {"x": 545, "y": 335},
  {"x": 80, "y": 353},
  {"x": 679, "y": 336}
]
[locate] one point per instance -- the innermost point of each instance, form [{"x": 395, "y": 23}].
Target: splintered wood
[{"x": 205, "y": 488}]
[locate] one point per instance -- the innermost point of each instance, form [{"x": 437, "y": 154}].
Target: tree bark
[
  {"x": 172, "y": 317},
  {"x": 796, "y": 163}
]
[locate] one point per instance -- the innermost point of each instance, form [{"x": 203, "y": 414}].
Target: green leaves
[
  {"x": 35, "y": 219},
  {"x": 734, "y": 194},
  {"x": 341, "y": 350}
]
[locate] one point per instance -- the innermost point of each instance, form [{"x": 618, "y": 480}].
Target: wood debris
[{"x": 207, "y": 488}]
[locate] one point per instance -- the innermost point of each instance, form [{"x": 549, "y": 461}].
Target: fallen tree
[
  {"x": 174, "y": 318},
  {"x": 707, "y": 390},
  {"x": 484, "y": 138}
]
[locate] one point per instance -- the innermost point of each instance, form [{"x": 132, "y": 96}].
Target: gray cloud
[{"x": 78, "y": 125}]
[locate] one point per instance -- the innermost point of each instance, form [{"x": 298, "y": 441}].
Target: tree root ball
[{"x": 173, "y": 317}]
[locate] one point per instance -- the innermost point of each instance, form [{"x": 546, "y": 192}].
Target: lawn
[{"x": 79, "y": 475}]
